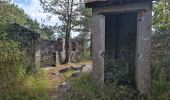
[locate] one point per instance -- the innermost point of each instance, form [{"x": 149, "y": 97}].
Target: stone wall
[
  {"x": 74, "y": 51},
  {"x": 48, "y": 52},
  {"x": 42, "y": 52},
  {"x": 29, "y": 42}
]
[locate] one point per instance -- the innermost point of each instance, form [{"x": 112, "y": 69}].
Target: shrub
[
  {"x": 15, "y": 83},
  {"x": 11, "y": 65},
  {"x": 160, "y": 87},
  {"x": 83, "y": 88}
]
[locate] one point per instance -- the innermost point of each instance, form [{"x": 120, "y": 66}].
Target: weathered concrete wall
[
  {"x": 115, "y": 1},
  {"x": 98, "y": 48},
  {"x": 135, "y": 7},
  {"x": 142, "y": 62},
  {"x": 89, "y": 1}
]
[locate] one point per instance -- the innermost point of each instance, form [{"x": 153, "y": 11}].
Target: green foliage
[
  {"x": 85, "y": 23},
  {"x": 35, "y": 87},
  {"x": 160, "y": 66},
  {"x": 161, "y": 50},
  {"x": 160, "y": 88},
  {"x": 15, "y": 83},
  {"x": 161, "y": 38},
  {"x": 10, "y": 13},
  {"x": 47, "y": 31},
  {"x": 31, "y": 87},
  {"x": 161, "y": 18},
  {"x": 85, "y": 55},
  {"x": 83, "y": 88},
  {"x": 11, "y": 63}
]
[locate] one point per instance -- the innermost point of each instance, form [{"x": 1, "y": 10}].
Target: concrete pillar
[
  {"x": 143, "y": 56},
  {"x": 98, "y": 48},
  {"x": 37, "y": 59},
  {"x": 57, "y": 59}
]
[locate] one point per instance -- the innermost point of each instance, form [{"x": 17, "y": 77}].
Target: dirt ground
[{"x": 56, "y": 78}]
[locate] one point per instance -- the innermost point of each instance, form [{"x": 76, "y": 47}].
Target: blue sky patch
[{"x": 24, "y": 2}]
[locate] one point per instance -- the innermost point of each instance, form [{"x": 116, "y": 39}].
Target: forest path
[{"x": 57, "y": 78}]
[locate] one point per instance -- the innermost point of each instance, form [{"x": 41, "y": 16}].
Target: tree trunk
[
  {"x": 67, "y": 39},
  {"x": 68, "y": 30}
]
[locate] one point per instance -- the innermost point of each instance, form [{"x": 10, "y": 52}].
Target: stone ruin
[
  {"x": 121, "y": 36},
  {"x": 42, "y": 52},
  {"x": 29, "y": 43},
  {"x": 74, "y": 51},
  {"x": 48, "y": 52},
  {"x": 53, "y": 51}
]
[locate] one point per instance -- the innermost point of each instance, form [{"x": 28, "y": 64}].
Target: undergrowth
[
  {"x": 83, "y": 88},
  {"x": 160, "y": 87},
  {"x": 15, "y": 82},
  {"x": 31, "y": 87}
]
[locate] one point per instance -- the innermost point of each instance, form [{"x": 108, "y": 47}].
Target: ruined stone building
[
  {"x": 29, "y": 42},
  {"x": 73, "y": 48},
  {"x": 48, "y": 52},
  {"x": 42, "y": 52},
  {"x": 121, "y": 35}
]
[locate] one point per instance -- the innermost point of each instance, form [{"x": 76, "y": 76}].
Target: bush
[
  {"x": 83, "y": 88},
  {"x": 85, "y": 55},
  {"x": 160, "y": 87},
  {"x": 160, "y": 66},
  {"x": 11, "y": 65},
  {"x": 32, "y": 87},
  {"x": 15, "y": 83}
]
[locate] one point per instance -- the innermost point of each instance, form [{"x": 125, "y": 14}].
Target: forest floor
[{"x": 56, "y": 78}]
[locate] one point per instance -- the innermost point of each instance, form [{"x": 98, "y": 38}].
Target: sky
[{"x": 35, "y": 11}]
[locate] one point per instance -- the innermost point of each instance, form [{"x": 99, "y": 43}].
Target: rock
[
  {"x": 72, "y": 68},
  {"x": 64, "y": 87},
  {"x": 53, "y": 73},
  {"x": 76, "y": 74},
  {"x": 87, "y": 69},
  {"x": 63, "y": 70},
  {"x": 83, "y": 65},
  {"x": 79, "y": 68}
]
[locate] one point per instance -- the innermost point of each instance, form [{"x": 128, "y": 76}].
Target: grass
[
  {"x": 161, "y": 90},
  {"x": 160, "y": 87},
  {"x": 83, "y": 88},
  {"x": 31, "y": 87}
]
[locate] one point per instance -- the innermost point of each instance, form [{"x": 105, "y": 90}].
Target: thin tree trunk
[{"x": 68, "y": 30}]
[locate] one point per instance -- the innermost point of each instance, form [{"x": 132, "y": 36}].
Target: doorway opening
[{"x": 120, "y": 47}]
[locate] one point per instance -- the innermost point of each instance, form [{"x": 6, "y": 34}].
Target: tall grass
[
  {"x": 83, "y": 88},
  {"x": 160, "y": 66},
  {"x": 15, "y": 83}
]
